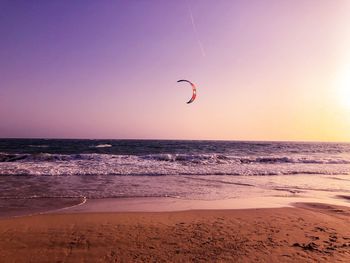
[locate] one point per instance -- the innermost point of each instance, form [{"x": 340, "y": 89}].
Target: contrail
[{"x": 195, "y": 29}]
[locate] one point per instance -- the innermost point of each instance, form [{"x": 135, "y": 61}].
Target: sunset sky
[{"x": 265, "y": 70}]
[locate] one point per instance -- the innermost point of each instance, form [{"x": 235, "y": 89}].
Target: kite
[{"x": 193, "y": 89}]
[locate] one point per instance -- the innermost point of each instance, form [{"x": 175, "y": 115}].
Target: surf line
[{"x": 53, "y": 210}]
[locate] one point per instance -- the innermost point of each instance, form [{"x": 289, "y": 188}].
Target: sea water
[{"x": 71, "y": 171}]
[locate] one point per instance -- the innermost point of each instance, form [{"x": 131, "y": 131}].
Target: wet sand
[
  {"x": 307, "y": 233},
  {"x": 12, "y": 207}
]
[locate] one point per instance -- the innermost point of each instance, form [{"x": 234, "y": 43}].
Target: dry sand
[{"x": 307, "y": 233}]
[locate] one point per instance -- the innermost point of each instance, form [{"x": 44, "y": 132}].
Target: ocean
[{"x": 50, "y": 169}]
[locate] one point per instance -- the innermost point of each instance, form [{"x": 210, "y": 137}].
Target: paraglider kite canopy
[{"x": 194, "y": 91}]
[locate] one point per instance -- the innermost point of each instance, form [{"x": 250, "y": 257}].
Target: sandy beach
[{"x": 305, "y": 233}]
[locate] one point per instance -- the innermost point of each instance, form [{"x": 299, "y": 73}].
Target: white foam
[
  {"x": 103, "y": 146},
  {"x": 167, "y": 164}
]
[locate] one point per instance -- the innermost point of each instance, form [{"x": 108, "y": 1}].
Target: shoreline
[
  {"x": 39, "y": 206},
  {"x": 307, "y": 232},
  {"x": 42, "y": 206}
]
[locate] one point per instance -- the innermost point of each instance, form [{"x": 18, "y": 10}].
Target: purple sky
[{"x": 108, "y": 69}]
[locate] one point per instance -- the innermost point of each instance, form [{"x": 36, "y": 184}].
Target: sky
[{"x": 265, "y": 70}]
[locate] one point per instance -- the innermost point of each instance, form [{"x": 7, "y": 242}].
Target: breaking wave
[
  {"x": 103, "y": 146},
  {"x": 180, "y": 158},
  {"x": 167, "y": 164},
  {"x": 221, "y": 158}
]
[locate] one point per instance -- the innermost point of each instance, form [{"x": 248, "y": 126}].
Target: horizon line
[{"x": 153, "y": 139}]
